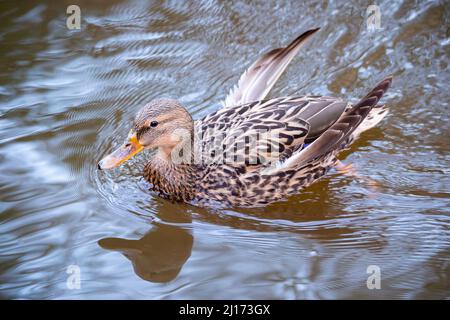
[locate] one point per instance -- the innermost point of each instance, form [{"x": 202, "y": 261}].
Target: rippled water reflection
[{"x": 66, "y": 99}]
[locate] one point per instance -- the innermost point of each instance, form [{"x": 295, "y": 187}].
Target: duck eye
[{"x": 153, "y": 124}]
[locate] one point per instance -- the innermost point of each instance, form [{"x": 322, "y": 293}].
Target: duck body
[
  {"x": 253, "y": 151},
  {"x": 246, "y": 184}
]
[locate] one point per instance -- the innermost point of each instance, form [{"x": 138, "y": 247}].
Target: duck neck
[{"x": 171, "y": 179}]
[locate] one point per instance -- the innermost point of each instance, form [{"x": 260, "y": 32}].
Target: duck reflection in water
[{"x": 159, "y": 255}]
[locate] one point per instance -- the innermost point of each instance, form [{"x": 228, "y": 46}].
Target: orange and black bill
[{"x": 130, "y": 148}]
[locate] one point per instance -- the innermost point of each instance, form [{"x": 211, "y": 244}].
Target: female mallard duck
[{"x": 297, "y": 139}]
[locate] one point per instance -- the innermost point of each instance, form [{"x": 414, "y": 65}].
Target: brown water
[{"x": 67, "y": 98}]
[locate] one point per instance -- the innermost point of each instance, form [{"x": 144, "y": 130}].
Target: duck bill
[{"x": 122, "y": 154}]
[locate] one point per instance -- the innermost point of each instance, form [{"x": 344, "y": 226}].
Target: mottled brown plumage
[{"x": 215, "y": 159}]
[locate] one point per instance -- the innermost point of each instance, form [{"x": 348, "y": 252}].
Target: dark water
[{"x": 67, "y": 98}]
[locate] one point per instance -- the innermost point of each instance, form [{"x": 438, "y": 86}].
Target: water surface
[{"x": 67, "y": 98}]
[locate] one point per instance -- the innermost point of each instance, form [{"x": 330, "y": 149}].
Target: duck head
[{"x": 162, "y": 124}]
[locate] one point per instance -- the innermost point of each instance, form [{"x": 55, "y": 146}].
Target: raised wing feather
[{"x": 257, "y": 80}]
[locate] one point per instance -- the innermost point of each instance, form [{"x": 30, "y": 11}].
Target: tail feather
[
  {"x": 341, "y": 132},
  {"x": 373, "y": 118},
  {"x": 376, "y": 92}
]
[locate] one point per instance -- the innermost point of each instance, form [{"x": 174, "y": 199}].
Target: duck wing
[
  {"x": 257, "y": 80},
  {"x": 339, "y": 134},
  {"x": 274, "y": 183}
]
